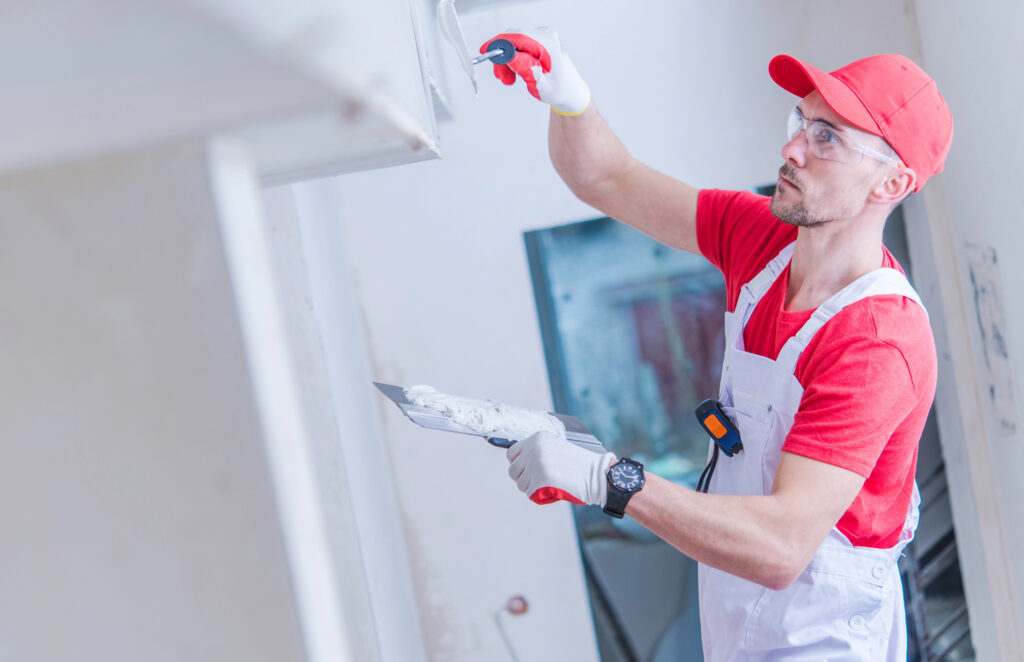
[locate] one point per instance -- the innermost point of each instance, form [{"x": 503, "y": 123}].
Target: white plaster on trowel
[{"x": 486, "y": 417}]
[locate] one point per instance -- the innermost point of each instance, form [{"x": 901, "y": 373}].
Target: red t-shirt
[{"x": 868, "y": 374}]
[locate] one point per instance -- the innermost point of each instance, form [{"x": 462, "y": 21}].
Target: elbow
[
  {"x": 591, "y": 193},
  {"x": 599, "y": 189},
  {"x": 585, "y": 185},
  {"x": 780, "y": 580},
  {"x": 593, "y": 181},
  {"x": 780, "y": 572}
]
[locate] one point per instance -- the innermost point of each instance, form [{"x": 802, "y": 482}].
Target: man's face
[{"x": 812, "y": 191}]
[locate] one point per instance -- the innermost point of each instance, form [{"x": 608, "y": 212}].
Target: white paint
[{"x": 486, "y": 417}]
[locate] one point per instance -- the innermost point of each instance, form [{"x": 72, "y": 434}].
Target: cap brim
[{"x": 801, "y": 79}]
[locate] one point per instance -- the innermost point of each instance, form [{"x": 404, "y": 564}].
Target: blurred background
[{"x": 221, "y": 221}]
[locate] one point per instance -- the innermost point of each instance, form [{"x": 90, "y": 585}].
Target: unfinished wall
[
  {"x": 137, "y": 499},
  {"x": 441, "y": 272},
  {"x": 974, "y": 53},
  {"x": 354, "y": 476}
]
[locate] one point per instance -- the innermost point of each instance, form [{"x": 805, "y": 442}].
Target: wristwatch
[{"x": 625, "y": 478}]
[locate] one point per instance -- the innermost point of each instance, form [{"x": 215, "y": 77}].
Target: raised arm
[
  {"x": 597, "y": 167},
  {"x": 588, "y": 155}
]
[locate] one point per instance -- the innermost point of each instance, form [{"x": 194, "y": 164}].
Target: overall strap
[
  {"x": 752, "y": 292},
  {"x": 874, "y": 283}
]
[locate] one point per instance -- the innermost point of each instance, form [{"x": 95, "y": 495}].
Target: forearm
[
  {"x": 586, "y": 153},
  {"x": 588, "y": 156},
  {"x": 602, "y": 173},
  {"x": 747, "y": 536}
]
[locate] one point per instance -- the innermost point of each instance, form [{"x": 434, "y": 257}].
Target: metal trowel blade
[
  {"x": 575, "y": 430},
  {"x": 451, "y": 28}
]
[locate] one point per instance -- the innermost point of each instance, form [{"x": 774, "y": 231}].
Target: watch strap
[{"x": 615, "y": 505}]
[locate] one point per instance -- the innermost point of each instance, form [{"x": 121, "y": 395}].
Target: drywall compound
[{"x": 487, "y": 417}]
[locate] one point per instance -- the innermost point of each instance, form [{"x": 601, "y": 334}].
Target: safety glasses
[{"x": 829, "y": 143}]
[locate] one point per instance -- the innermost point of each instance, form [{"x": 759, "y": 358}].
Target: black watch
[{"x": 625, "y": 478}]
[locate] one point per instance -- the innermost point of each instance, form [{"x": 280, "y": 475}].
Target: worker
[{"x": 829, "y": 369}]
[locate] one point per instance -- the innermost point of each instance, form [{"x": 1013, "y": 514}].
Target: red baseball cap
[{"x": 887, "y": 95}]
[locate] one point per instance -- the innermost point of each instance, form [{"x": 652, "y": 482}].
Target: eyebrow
[{"x": 823, "y": 121}]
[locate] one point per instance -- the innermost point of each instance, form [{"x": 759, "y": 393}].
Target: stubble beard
[{"x": 795, "y": 214}]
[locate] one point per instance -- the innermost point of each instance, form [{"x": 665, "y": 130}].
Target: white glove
[
  {"x": 549, "y": 73},
  {"x": 549, "y": 468}
]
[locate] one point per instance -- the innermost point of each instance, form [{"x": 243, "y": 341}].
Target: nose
[{"x": 795, "y": 151}]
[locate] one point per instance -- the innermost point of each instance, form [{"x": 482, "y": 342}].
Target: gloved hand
[
  {"x": 549, "y": 73},
  {"x": 549, "y": 468}
]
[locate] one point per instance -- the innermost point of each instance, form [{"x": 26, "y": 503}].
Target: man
[{"x": 829, "y": 368}]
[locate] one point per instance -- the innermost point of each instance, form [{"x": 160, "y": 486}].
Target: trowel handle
[
  {"x": 594, "y": 446},
  {"x": 499, "y": 51}
]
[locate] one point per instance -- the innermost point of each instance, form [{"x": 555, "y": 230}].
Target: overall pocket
[
  {"x": 741, "y": 473},
  {"x": 755, "y": 417}
]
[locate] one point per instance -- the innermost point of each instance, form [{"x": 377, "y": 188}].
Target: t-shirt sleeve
[
  {"x": 859, "y": 392},
  {"x": 737, "y": 233}
]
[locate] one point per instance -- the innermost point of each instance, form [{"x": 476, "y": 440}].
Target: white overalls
[{"x": 848, "y": 603}]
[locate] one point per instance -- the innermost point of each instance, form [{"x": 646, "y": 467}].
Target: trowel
[
  {"x": 499, "y": 51},
  {"x": 575, "y": 430}
]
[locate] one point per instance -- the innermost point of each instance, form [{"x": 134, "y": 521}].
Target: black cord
[{"x": 709, "y": 470}]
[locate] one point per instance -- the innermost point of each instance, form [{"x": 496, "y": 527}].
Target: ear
[{"x": 899, "y": 182}]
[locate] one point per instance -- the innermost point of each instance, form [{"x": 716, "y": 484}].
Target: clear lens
[
  {"x": 825, "y": 143},
  {"x": 822, "y": 139},
  {"x": 795, "y": 123}
]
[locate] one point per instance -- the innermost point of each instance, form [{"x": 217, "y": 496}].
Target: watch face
[{"x": 627, "y": 476}]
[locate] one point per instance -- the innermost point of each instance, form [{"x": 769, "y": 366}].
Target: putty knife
[
  {"x": 575, "y": 431},
  {"x": 499, "y": 51}
]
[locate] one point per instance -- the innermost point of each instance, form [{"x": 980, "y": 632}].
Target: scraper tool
[
  {"x": 575, "y": 431},
  {"x": 499, "y": 51}
]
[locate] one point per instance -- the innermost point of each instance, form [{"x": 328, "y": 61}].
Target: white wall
[
  {"x": 137, "y": 502},
  {"x": 974, "y": 51},
  {"x": 173, "y": 483},
  {"x": 355, "y": 480},
  {"x": 441, "y": 272}
]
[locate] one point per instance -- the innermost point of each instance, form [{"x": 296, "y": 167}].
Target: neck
[{"x": 829, "y": 257}]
